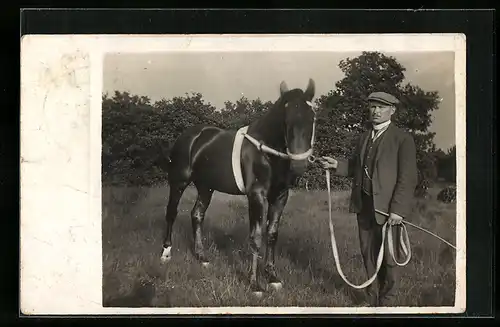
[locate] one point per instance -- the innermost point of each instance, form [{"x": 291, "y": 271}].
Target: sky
[{"x": 227, "y": 76}]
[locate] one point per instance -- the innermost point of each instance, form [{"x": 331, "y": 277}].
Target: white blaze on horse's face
[
  {"x": 300, "y": 118},
  {"x": 300, "y": 127},
  {"x": 300, "y": 138}
]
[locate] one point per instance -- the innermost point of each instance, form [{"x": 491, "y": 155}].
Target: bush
[
  {"x": 314, "y": 179},
  {"x": 448, "y": 194},
  {"x": 137, "y": 136}
]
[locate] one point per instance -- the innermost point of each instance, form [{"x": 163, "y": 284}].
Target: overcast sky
[{"x": 228, "y": 76}]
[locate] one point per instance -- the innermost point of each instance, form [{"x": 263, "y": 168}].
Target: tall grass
[{"x": 133, "y": 222}]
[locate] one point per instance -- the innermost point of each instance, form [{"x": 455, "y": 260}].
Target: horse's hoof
[
  {"x": 165, "y": 258},
  {"x": 272, "y": 277},
  {"x": 276, "y": 285},
  {"x": 202, "y": 259},
  {"x": 258, "y": 294},
  {"x": 166, "y": 255},
  {"x": 257, "y": 291}
]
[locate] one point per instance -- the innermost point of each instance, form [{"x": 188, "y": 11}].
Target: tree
[
  {"x": 243, "y": 112},
  {"x": 448, "y": 165},
  {"x": 128, "y": 146},
  {"x": 138, "y": 135},
  {"x": 344, "y": 113}
]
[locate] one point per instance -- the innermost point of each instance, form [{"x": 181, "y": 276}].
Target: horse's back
[
  {"x": 203, "y": 154},
  {"x": 181, "y": 152},
  {"x": 212, "y": 160}
]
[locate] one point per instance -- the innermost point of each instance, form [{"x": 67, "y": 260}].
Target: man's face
[{"x": 380, "y": 112}]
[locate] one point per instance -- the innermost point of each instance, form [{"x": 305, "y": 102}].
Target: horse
[{"x": 275, "y": 151}]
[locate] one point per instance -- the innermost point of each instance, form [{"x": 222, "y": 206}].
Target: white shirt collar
[
  {"x": 379, "y": 129},
  {"x": 382, "y": 125}
]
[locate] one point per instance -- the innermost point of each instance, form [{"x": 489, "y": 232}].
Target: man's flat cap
[{"x": 383, "y": 98}]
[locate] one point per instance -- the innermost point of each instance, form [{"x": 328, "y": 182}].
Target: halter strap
[
  {"x": 264, "y": 148},
  {"x": 288, "y": 155}
]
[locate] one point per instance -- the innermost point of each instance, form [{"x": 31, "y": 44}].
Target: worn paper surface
[{"x": 61, "y": 87}]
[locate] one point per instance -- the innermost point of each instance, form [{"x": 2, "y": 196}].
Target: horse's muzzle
[{"x": 299, "y": 167}]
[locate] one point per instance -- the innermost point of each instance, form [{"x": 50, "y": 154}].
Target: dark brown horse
[{"x": 274, "y": 152}]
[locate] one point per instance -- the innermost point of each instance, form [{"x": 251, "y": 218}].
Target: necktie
[{"x": 376, "y": 133}]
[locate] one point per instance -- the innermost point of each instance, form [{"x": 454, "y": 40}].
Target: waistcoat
[{"x": 368, "y": 161}]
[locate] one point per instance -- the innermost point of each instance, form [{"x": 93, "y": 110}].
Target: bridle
[{"x": 288, "y": 155}]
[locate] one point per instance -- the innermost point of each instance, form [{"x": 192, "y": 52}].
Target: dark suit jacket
[{"x": 394, "y": 173}]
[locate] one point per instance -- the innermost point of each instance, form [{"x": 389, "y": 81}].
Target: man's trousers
[{"x": 383, "y": 289}]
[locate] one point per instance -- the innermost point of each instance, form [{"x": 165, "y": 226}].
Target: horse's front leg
[
  {"x": 258, "y": 208},
  {"x": 276, "y": 205}
]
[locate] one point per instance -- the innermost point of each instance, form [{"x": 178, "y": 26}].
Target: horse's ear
[
  {"x": 283, "y": 87},
  {"x": 310, "y": 90}
]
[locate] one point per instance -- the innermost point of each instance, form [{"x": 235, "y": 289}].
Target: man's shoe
[
  {"x": 372, "y": 300},
  {"x": 387, "y": 302}
]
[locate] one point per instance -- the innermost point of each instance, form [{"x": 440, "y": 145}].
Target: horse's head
[{"x": 300, "y": 120}]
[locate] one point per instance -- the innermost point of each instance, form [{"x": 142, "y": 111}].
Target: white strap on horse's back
[{"x": 236, "y": 158}]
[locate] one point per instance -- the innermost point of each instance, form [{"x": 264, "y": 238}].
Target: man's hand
[
  {"x": 395, "y": 219},
  {"x": 328, "y": 163}
]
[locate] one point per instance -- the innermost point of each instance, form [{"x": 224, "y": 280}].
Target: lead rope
[{"x": 405, "y": 247}]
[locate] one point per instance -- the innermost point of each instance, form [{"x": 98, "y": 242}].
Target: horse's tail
[
  {"x": 177, "y": 162},
  {"x": 164, "y": 160}
]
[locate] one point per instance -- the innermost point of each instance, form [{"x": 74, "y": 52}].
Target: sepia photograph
[
  {"x": 279, "y": 179},
  {"x": 243, "y": 174}
]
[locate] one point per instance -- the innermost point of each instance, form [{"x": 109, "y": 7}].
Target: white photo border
[{"x": 60, "y": 227}]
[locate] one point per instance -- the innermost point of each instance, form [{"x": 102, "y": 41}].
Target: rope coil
[
  {"x": 406, "y": 248},
  {"x": 403, "y": 235}
]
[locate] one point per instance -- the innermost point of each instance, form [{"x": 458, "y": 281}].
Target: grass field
[{"x": 132, "y": 228}]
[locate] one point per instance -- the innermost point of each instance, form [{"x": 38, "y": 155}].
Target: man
[{"x": 384, "y": 172}]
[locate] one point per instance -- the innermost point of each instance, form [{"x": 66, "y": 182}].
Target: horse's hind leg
[
  {"x": 176, "y": 191},
  {"x": 197, "y": 218}
]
